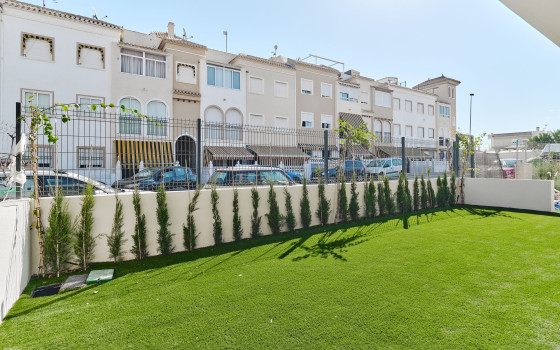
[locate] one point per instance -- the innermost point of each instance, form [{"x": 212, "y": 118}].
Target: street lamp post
[
  {"x": 471, "y": 140},
  {"x": 470, "y": 117}
]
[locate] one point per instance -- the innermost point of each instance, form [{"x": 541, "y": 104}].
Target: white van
[{"x": 390, "y": 167}]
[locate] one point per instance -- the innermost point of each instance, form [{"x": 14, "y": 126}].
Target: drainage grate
[{"x": 45, "y": 291}]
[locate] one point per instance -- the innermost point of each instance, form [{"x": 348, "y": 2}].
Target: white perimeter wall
[{"x": 15, "y": 252}]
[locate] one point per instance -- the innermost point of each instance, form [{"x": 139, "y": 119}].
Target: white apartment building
[{"x": 51, "y": 57}]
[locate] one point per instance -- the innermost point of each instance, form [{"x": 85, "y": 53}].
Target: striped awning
[
  {"x": 228, "y": 153},
  {"x": 316, "y": 147},
  {"x": 353, "y": 119},
  {"x": 152, "y": 153},
  {"x": 277, "y": 152}
]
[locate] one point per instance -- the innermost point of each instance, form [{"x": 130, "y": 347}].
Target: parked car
[
  {"x": 508, "y": 167},
  {"x": 249, "y": 176},
  {"x": 390, "y": 167},
  {"x": 69, "y": 184},
  {"x": 350, "y": 167},
  {"x": 141, "y": 175},
  {"x": 297, "y": 178},
  {"x": 173, "y": 177}
]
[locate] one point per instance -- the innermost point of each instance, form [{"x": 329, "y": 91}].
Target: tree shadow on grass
[{"x": 335, "y": 248}]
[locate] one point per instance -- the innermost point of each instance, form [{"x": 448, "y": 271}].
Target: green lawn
[{"x": 467, "y": 278}]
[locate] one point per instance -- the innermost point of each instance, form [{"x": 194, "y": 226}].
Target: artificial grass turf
[{"x": 463, "y": 278}]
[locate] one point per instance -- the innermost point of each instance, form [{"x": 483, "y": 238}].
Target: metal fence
[{"x": 123, "y": 150}]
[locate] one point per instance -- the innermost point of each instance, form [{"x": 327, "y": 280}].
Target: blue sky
[{"x": 512, "y": 69}]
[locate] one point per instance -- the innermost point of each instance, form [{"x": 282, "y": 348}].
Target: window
[
  {"x": 444, "y": 111},
  {"x": 91, "y": 56},
  {"x": 143, "y": 63},
  {"x": 37, "y": 99},
  {"x": 130, "y": 122},
  {"x": 326, "y": 122},
  {"x": 408, "y": 106},
  {"x": 344, "y": 96},
  {"x": 326, "y": 90},
  {"x": 256, "y": 119},
  {"x": 91, "y": 157},
  {"x": 386, "y": 132},
  {"x": 233, "y": 125},
  {"x": 157, "y": 112},
  {"x": 382, "y": 99},
  {"x": 85, "y": 110},
  {"x": 364, "y": 97},
  {"x": 213, "y": 118},
  {"x": 44, "y": 156},
  {"x": 306, "y": 86},
  {"x": 186, "y": 73},
  {"x": 216, "y": 76},
  {"x": 37, "y": 47},
  {"x": 349, "y": 93},
  {"x": 280, "y": 89},
  {"x": 306, "y": 120},
  {"x": 377, "y": 129},
  {"x": 420, "y": 132},
  {"x": 397, "y": 103},
  {"x": 408, "y": 131},
  {"x": 441, "y": 137},
  {"x": 256, "y": 85},
  {"x": 420, "y": 108},
  {"x": 430, "y": 109},
  {"x": 396, "y": 130},
  {"x": 431, "y": 133},
  {"x": 281, "y": 122}
]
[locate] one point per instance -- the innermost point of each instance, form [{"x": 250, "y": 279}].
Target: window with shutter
[
  {"x": 326, "y": 90},
  {"x": 306, "y": 120},
  {"x": 256, "y": 85},
  {"x": 408, "y": 131},
  {"x": 307, "y": 87},
  {"x": 281, "y": 89},
  {"x": 396, "y": 104},
  {"x": 281, "y": 122},
  {"x": 326, "y": 122}
]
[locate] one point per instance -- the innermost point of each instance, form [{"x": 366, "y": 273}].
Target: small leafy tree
[
  {"x": 255, "y": 218},
  {"x": 381, "y": 199},
  {"x": 445, "y": 189},
  {"x": 407, "y": 195},
  {"x": 423, "y": 193},
  {"x": 416, "y": 194},
  {"x": 389, "y": 202},
  {"x": 440, "y": 199},
  {"x": 115, "y": 238},
  {"x": 165, "y": 237},
  {"x": 354, "y": 207},
  {"x": 343, "y": 201},
  {"x": 189, "y": 231},
  {"x": 58, "y": 235},
  {"x": 290, "y": 216},
  {"x": 237, "y": 228},
  {"x": 139, "y": 248},
  {"x": 84, "y": 242},
  {"x": 305, "y": 207},
  {"x": 467, "y": 146},
  {"x": 324, "y": 209},
  {"x": 453, "y": 189},
  {"x": 217, "y": 225},
  {"x": 275, "y": 219}
]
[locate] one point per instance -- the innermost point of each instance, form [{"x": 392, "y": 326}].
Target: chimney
[
  {"x": 171, "y": 29},
  {"x": 538, "y": 128}
]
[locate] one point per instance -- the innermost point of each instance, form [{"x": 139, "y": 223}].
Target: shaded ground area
[{"x": 463, "y": 278}]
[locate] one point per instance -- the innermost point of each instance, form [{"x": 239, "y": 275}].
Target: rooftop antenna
[
  {"x": 95, "y": 16},
  {"x": 275, "y": 48},
  {"x": 185, "y": 37},
  {"x": 225, "y": 33}
]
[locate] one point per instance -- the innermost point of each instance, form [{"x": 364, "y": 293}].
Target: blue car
[
  {"x": 297, "y": 178},
  {"x": 174, "y": 178},
  {"x": 349, "y": 168}
]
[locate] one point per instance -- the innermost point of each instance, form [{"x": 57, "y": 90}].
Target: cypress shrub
[
  {"x": 343, "y": 201},
  {"x": 324, "y": 208},
  {"x": 305, "y": 208},
  {"x": 370, "y": 199},
  {"x": 423, "y": 193},
  {"x": 354, "y": 207},
  {"x": 440, "y": 199},
  {"x": 407, "y": 196},
  {"x": 165, "y": 237},
  {"x": 58, "y": 236},
  {"x": 389, "y": 201},
  {"x": 115, "y": 238},
  {"x": 400, "y": 195},
  {"x": 453, "y": 189},
  {"x": 373, "y": 197},
  {"x": 416, "y": 194},
  {"x": 139, "y": 248},
  {"x": 84, "y": 242},
  {"x": 381, "y": 199},
  {"x": 237, "y": 229},
  {"x": 255, "y": 218},
  {"x": 189, "y": 231},
  {"x": 217, "y": 225},
  {"x": 275, "y": 219},
  {"x": 445, "y": 189},
  {"x": 290, "y": 216}
]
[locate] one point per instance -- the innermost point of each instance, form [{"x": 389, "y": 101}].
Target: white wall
[
  {"x": 15, "y": 252},
  {"x": 519, "y": 194}
]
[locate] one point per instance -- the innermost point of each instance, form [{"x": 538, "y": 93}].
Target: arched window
[
  {"x": 214, "y": 119},
  {"x": 377, "y": 129},
  {"x": 129, "y": 121},
  {"x": 157, "y": 115},
  {"x": 386, "y": 132},
  {"x": 233, "y": 121}
]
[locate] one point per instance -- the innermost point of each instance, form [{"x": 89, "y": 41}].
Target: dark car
[
  {"x": 296, "y": 177},
  {"x": 173, "y": 177},
  {"x": 250, "y": 176},
  {"x": 350, "y": 167}
]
